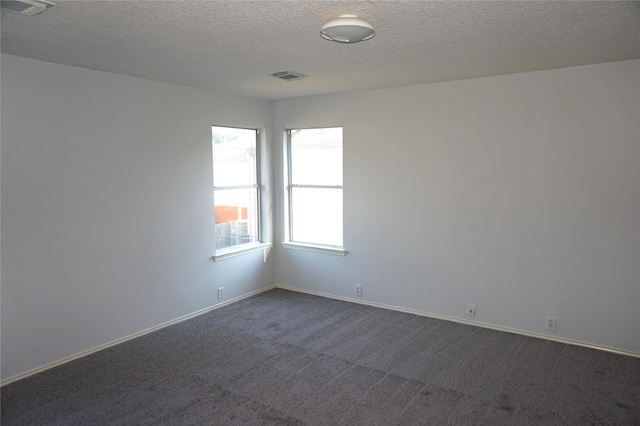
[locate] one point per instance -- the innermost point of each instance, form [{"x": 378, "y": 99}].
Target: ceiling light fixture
[
  {"x": 347, "y": 29},
  {"x": 26, "y": 7}
]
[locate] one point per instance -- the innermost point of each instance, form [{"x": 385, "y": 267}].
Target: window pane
[
  {"x": 236, "y": 213},
  {"x": 316, "y": 156},
  {"x": 234, "y": 156},
  {"x": 317, "y": 215}
]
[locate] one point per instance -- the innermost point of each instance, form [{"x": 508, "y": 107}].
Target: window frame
[
  {"x": 259, "y": 244},
  {"x": 289, "y": 242}
]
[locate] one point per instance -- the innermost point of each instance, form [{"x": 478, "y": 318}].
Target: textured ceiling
[{"x": 233, "y": 46}]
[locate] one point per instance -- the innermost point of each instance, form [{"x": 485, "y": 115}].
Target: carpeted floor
[{"x": 287, "y": 358}]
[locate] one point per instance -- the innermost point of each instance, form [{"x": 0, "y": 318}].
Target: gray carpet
[{"x": 286, "y": 358}]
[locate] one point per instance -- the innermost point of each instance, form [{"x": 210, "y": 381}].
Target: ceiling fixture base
[{"x": 26, "y": 7}]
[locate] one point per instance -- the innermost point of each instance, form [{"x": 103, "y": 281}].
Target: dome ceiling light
[{"x": 347, "y": 29}]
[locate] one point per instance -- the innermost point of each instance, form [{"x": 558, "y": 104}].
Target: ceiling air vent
[
  {"x": 288, "y": 75},
  {"x": 26, "y": 7}
]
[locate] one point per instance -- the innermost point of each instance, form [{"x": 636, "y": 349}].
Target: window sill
[
  {"x": 239, "y": 250},
  {"x": 334, "y": 250}
]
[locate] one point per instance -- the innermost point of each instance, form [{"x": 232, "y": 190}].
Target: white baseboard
[
  {"x": 462, "y": 321},
  {"x": 131, "y": 336},
  {"x": 315, "y": 293}
]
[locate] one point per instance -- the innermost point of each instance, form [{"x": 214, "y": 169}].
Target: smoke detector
[{"x": 26, "y": 7}]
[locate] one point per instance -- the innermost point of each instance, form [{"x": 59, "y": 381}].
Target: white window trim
[
  {"x": 335, "y": 250},
  {"x": 300, "y": 245},
  {"x": 239, "y": 250}
]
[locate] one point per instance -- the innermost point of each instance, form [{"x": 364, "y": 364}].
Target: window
[
  {"x": 314, "y": 187},
  {"x": 236, "y": 189}
]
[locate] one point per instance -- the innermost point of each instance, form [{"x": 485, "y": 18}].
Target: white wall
[
  {"x": 518, "y": 193},
  {"x": 107, "y": 225}
]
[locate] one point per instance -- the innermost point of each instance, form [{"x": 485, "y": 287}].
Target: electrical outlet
[
  {"x": 471, "y": 309},
  {"x": 221, "y": 293},
  {"x": 358, "y": 290},
  {"x": 551, "y": 323}
]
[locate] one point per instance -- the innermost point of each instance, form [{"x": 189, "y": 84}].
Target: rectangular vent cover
[{"x": 288, "y": 75}]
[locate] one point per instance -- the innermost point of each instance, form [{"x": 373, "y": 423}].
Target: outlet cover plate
[
  {"x": 550, "y": 323},
  {"x": 471, "y": 309}
]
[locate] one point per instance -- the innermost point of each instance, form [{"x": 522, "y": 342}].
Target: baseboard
[
  {"x": 130, "y": 337},
  {"x": 462, "y": 321},
  {"x": 327, "y": 295}
]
